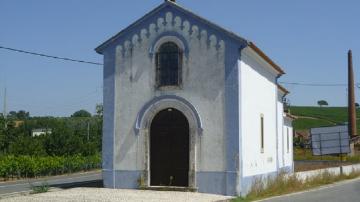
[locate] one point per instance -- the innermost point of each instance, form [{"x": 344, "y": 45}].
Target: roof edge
[
  {"x": 231, "y": 34},
  {"x": 266, "y": 58},
  {"x": 114, "y": 37},
  {"x": 283, "y": 89}
]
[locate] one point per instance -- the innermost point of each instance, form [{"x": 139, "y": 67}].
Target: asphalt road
[
  {"x": 89, "y": 179},
  {"x": 348, "y": 191}
]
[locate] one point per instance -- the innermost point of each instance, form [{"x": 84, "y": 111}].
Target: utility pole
[{"x": 351, "y": 98}]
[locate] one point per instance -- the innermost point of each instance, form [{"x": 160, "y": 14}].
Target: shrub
[{"x": 35, "y": 166}]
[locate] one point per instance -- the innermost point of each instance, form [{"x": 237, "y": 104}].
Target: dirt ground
[{"x": 118, "y": 195}]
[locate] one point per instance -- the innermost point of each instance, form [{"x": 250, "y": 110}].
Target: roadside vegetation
[
  {"x": 44, "y": 187},
  {"x": 70, "y": 144},
  {"x": 284, "y": 184},
  {"x": 16, "y": 167}
]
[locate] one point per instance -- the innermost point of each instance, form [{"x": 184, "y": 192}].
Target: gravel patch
[{"x": 109, "y": 195}]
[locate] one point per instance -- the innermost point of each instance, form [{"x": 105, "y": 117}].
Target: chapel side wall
[
  {"x": 280, "y": 132},
  {"x": 258, "y": 97},
  {"x": 288, "y": 155},
  {"x": 203, "y": 86}
]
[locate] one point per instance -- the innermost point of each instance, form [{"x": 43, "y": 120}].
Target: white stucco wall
[
  {"x": 288, "y": 133},
  {"x": 285, "y": 135},
  {"x": 258, "y": 96},
  {"x": 203, "y": 86},
  {"x": 281, "y": 137}
]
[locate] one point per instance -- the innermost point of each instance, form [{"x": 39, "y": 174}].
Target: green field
[{"x": 310, "y": 117}]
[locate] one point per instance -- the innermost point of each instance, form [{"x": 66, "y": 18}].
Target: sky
[{"x": 308, "y": 39}]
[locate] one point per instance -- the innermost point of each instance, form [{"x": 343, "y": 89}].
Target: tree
[
  {"x": 22, "y": 115},
  {"x": 322, "y": 103},
  {"x": 81, "y": 113},
  {"x": 357, "y": 105},
  {"x": 99, "y": 110},
  {"x": 12, "y": 114}
]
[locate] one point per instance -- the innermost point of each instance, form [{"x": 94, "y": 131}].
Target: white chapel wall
[{"x": 257, "y": 97}]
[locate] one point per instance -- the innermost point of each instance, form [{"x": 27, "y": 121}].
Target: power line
[
  {"x": 96, "y": 63},
  {"x": 49, "y": 56},
  {"x": 314, "y": 84}
]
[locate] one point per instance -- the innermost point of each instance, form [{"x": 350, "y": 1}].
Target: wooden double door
[{"x": 169, "y": 149}]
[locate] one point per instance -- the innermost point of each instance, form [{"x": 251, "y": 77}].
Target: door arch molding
[{"x": 143, "y": 124}]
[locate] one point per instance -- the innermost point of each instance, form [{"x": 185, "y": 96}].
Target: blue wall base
[
  {"x": 124, "y": 179},
  {"x": 211, "y": 182},
  {"x": 223, "y": 183}
]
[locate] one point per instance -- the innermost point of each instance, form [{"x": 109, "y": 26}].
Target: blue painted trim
[
  {"x": 109, "y": 110},
  {"x": 211, "y": 182},
  {"x": 140, "y": 116},
  {"x": 232, "y": 111},
  {"x": 241, "y": 169},
  {"x": 168, "y": 6},
  {"x": 169, "y": 33},
  {"x": 232, "y": 115},
  {"x": 216, "y": 182},
  {"x": 207, "y": 182},
  {"x": 124, "y": 179},
  {"x": 108, "y": 178}
]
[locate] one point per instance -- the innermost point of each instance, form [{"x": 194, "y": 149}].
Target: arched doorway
[{"x": 169, "y": 149}]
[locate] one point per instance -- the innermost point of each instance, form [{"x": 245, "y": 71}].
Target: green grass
[
  {"x": 304, "y": 124},
  {"x": 320, "y": 116},
  {"x": 333, "y": 114},
  {"x": 284, "y": 185}
]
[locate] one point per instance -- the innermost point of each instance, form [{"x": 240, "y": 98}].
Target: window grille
[{"x": 168, "y": 65}]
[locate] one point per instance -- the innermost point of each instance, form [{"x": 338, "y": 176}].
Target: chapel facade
[{"x": 191, "y": 105}]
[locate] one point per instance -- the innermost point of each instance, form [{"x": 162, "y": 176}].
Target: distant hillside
[{"x": 309, "y": 117}]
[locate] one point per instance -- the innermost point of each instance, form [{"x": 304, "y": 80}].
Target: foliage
[
  {"x": 322, "y": 103},
  {"x": 283, "y": 184},
  {"x": 99, "y": 110},
  {"x": 34, "y": 166},
  {"x": 70, "y": 136},
  {"x": 20, "y": 115},
  {"x": 81, "y": 113},
  {"x": 73, "y": 145},
  {"x": 44, "y": 187}
]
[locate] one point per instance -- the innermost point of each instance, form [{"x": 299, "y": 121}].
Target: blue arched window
[{"x": 168, "y": 65}]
